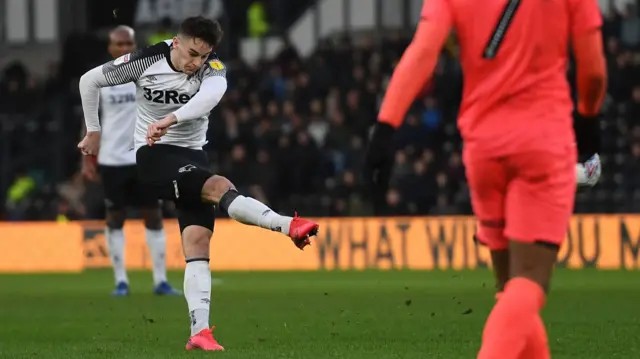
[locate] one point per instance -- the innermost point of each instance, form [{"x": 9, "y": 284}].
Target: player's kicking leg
[
  {"x": 182, "y": 175},
  {"x": 538, "y": 204},
  {"x": 220, "y": 191},
  {"x": 156, "y": 242}
]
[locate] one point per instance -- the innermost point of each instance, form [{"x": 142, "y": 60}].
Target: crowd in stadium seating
[{"x": 292, "y": 131}]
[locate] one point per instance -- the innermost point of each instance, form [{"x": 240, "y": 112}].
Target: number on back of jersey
[{"x": 119, "y": 99}]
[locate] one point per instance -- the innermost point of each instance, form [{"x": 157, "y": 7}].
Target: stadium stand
[{"x": 291, "y": 132}]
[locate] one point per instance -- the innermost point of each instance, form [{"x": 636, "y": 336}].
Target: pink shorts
[{"x": 526, "y": 197}]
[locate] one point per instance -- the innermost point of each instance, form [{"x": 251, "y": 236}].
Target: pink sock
[
  {"x": 537, "y": 347},
  {"x": 538, "y": 344},
  {"x": 512, "y": 321}
]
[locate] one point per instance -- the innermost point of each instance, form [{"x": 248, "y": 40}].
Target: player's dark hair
[{"x": 199, "y": 27}]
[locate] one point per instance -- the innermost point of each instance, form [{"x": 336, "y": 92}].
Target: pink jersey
[{"x": 514, "y": 56}]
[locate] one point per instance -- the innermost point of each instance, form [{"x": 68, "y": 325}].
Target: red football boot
[
  {"x": 204, "y": 340},
  {"x": 301, "y": 231}
]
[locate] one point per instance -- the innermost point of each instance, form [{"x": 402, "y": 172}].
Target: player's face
[
  {"x": 121, "y": 45},
  {"x": 192, "y": 53}
]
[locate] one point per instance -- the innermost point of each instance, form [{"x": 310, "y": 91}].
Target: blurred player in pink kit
[{"x": 519, "y": 142}]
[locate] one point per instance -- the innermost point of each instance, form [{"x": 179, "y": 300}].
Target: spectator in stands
[
  {"x": 17, "y": 89},
  {"x": 18, "y": 194},
  {"x": 633, "y": 111},
  {"x": 395, "y": 205},
  {"x": 630, "y": 26},
  {"x": 257, "y": 20}
]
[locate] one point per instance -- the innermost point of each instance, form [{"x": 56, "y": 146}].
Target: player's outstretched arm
[
  {"x": 124, "y": 69},
  {"x": 90, "y": 84},
  {"x": 591, "y": 73},
  {"x": 112, "y": 73},
  {"x": 409, "y": 77},
  {"x": 211, "y": 91},
  {"x": 591, "y": 77},
  {"x": 417, "y": 63}
]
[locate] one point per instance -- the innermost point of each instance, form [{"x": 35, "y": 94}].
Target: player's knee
[
  {"x": 115, "y": 219},
  {"x": 152, "y": 218},
  {"x": 195, "y": 242},
  {"x": 215, "y": 188}
]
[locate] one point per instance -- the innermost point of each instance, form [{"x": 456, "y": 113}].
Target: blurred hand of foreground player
[
  {"x": 588, "y": 174},
  {"x": 89, "y": 168},
  {"x": 379, "y": 158},
  {"x": 90, "y": 144},
  {"x": 159, "y": 128}
]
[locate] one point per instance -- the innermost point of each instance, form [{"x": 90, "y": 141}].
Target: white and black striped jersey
[
  {"x": 118, "y": 120},
  {"x": 160, "y": 91}
]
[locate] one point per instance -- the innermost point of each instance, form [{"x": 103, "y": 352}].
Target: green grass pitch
[{"x": 372, "y": 315}]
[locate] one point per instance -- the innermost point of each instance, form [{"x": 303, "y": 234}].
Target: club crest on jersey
[
  {"x": 216, "y": 65},
  {"x": 122, "y": 59}
]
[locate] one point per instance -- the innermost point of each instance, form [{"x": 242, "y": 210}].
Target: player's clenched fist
[
  {"x": 90, "y": 144},
  {"x": 588, "y": 174},
  {"x": 587, "y": 130},
  {"x": 159, "y": 128}
]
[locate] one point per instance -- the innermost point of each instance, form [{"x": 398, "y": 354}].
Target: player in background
[
  {"x": 178, "y": 82},
  {"x": 116, "y": 163},
  {"x": 519, "y": 143}
]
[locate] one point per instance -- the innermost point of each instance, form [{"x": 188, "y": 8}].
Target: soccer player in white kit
[
  {"x": 116, "y": 163},
  {"x": 178, "y": 83}
]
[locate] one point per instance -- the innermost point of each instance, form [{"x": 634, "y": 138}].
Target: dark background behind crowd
[{"x": 291, "y": 131}]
